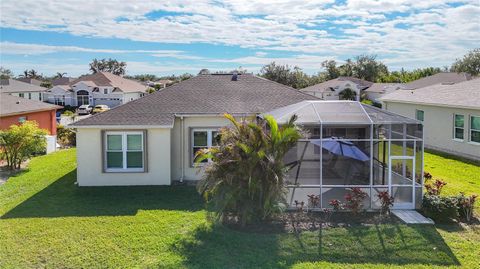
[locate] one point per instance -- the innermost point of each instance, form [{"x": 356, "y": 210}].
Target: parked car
[
  {"x": 100, "y": 108},
  {"x": 84, "y": 109}
]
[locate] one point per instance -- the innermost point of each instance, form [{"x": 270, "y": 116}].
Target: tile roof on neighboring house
[
  {"x": 439, "y": 78},
  {"x": 460, "y": 95},
  {"x": 330, "y": 84},
  {"x": 383, "y": 87},
  {"x": 111, "y": 80},
  {"x": 13, "y": 105},
  {"x": 203, "y": 94},
  {"x": 13, "y": 85},
  {"x": 31, "y": 81},
  {"x": 62, "y": 81}
]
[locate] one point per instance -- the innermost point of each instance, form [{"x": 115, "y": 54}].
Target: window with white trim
[
  {"x": 458, "y": 126},
  {"x": 203, "y": 138},
  {"x": 419, "y": 115},
  {"x": 475, "y": 129},
  {"x": 124, "y": 152}
]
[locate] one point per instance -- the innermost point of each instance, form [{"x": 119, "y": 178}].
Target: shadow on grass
[
  {"x": 389, "y": 244},
  {"x": 63, "y": 198}
]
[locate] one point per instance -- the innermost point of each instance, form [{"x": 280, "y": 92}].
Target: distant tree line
[{"x": 365, "y": 67}]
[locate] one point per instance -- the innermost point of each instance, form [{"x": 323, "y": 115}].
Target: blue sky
[{"x": 175, "y": 37}]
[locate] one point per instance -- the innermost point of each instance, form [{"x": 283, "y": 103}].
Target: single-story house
[
  {"x": 450, "y": 113},
  {"x": 153, "y": 140},
  {"x": 330, "y": 90},
  {"x": 377, "y": 90},
  {"x": 102, "y": 88},
  {"x": 439, "y": 78},
  {"x": 15, "y": 110},
  {"x": 22, "y": 89}
]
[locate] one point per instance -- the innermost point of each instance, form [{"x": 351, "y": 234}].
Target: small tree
[
  {"x": 245, "y": 179},
  {"x": 20, "y": 142},
  {"x": 347, "y": 94}
]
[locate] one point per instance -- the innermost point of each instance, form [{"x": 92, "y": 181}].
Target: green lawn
[{"x": 48, "y": 222}]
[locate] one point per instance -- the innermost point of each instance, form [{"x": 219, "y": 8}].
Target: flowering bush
[
  {"x": 440, "y": 208},
  {"x": 465, "y": 205},
  {"x": 436, "y": 187},
  {"x": 354, "y": 200},
  {"x": 336, "y": 204},
  {"x": 313, "y": 200},
  {"x": 386, "y": 201}
]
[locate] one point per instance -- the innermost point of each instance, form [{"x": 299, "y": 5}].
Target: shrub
[
  {"x": 439, "y": 208},
  {"x": 336, "y": 204},
  {"x": 313, "y": 200},
  {"x": 436, "y": 187},
  {"x": 465, "y": 205},
  {"x": 245, "y": 180},
  {"x": 427, "y": 175},
  {"x": 66, "y": 137},
  {"x": 68, "y": 113},
  {"x": 354, "y": 200},
  {"x": 386, "y": 201},
  {"x": 20, "y": 142}
]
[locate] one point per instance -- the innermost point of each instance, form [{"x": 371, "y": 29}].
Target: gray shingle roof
[
  {"x": 439, "y": 78},
  {"x": 13, "y": 85},
  {"x": 109, "y": 79},
  {"x": 12, "y": 105},
  {"x": 324, "y": 86},
  {"x": 464, "y": 94},
  {"x": 203, "y": 94}
]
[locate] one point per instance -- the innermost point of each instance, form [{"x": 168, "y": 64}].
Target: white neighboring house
[
  {"x": 450, "y": 113},
  {"x": 377, "y": 90},
  {"x": 101, "y": 88},
  {"x": 22, "y": 89},
  {"x": 330, "y": 90}
]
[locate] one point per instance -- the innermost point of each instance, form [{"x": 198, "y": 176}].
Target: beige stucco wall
[
  {"x": 190, "y": 172},
  {"x": 438, "y": 127},
  {"x": 89, "y": 161}
]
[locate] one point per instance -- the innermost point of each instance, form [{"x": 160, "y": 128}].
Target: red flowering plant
[
  {"x": 354, "y": 199},
  {"x": 336, "y": 204},
  {"x": 466, "y": 205},
  {"x": 386, "y": 201},
  {"x": 427, "y": 175},
  {"x": 436, "y": 187}
]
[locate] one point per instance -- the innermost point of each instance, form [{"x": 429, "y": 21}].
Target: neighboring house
[
  {"x": 22, "y": 89},
  {"x": 439, "y": 78},
  {"x": 157, "y": 136},
  {"x": 451, "y": 115},
  {"x": 62, "y": 81},
  {"x": 330, "y": 90},
  {"x": 31, "y": 81},
  {"x": 15, "y": 110},
  {"x": 377, "y": 90},
  {"x": 101, "y": 88}
]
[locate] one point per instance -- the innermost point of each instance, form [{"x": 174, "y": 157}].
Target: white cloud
[
  {"x": 432, "y": 30},
  {"x": 13, "y": 48}
]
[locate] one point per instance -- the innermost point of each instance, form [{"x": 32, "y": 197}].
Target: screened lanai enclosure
[{"x": 347, "y": 144}]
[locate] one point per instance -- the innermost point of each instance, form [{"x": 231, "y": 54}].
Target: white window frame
[
  {"x": 455, "y": 127},
  {"x": 470, "y": 130},
  {"x": 124, "y": 151},
  {"x": 209, "y": 142}
]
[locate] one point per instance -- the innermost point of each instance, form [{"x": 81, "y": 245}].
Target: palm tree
[
  {"x": 60, "y": 75},
  {"x": 245, "y": 177},
  {"x": 347, "y": 94}
]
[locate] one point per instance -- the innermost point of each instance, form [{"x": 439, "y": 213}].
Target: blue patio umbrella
[{"x": 342, "y": 148}]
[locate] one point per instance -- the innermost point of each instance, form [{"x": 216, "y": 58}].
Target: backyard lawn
[{"x": 48, "y": 222}]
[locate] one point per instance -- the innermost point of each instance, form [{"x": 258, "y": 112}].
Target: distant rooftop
[
  {"x": 324, "y": 86},
  {"x": 12, "y": 105},
  {"x": 464, "y": 94},
  {"x": 439, "y": 78},
  {"x": 13, "y": 85}
]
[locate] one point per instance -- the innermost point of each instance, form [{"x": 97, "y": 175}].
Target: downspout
[{"x": 182, "y": 148}]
